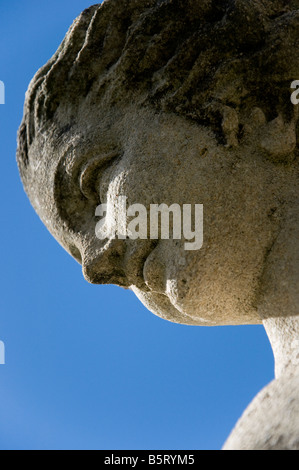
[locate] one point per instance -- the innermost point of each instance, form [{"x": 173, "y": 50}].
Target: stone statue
[{"x": 182, "y": 102}]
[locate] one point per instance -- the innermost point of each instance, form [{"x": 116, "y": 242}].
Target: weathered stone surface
[
  {"x": 186, "y": 102},
  {"x": 271, "y": 421}
]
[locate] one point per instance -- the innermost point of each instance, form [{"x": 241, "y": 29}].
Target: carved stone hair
[{"x": 211, "y": 61}]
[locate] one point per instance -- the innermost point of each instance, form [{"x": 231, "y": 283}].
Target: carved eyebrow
[{"x": 89, "y": 173}]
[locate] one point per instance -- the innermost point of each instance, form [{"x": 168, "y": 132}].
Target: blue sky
[{"x": 88, "y": 367}]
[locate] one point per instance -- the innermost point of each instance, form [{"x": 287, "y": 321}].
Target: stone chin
[
  {"x": 180, "y": 288},
  {"x": 172, "y": 308}
]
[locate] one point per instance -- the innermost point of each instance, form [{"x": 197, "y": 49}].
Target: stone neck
[{"x": 283, "y": 333}]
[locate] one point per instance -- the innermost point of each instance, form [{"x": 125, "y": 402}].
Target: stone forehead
[{"x": 211, "y": 62}]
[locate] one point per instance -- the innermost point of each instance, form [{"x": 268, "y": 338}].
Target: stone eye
[{"x": 91, "y": 174}]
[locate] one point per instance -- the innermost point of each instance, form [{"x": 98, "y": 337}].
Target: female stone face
[
  {"x": 82, "y": 146},
  {"x": 163, "y": 159}
]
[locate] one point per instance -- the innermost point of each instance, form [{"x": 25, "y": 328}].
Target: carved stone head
[{"x": 173, "y": 102}]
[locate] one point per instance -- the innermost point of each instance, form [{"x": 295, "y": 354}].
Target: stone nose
[{"x": 106, "y": 265}]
